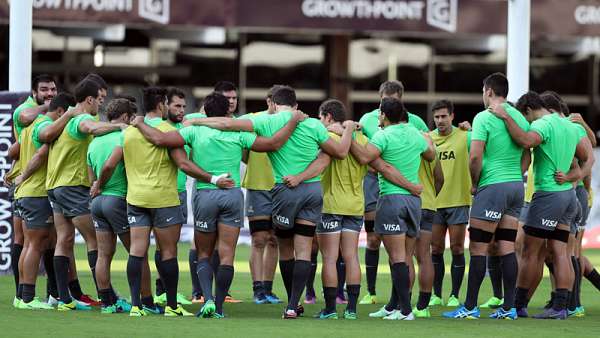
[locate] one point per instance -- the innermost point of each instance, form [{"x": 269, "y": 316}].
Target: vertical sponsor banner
[{"x": 8, "y": 102}]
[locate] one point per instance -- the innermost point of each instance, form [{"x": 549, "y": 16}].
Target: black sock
[
  {"x": 106, "y": 297},
  {"x": 476, "y": 275},
  {"x": 215, "y": 261},
  {"x": 392, "y": 303},
  {"x": 20, "y": 291},
  {"x": 134, "y": 277},
  {"x": 340, "y": 266},
  {"x": 51, "y": 288},
  {"x": 192, "y": 261},
  {"x": 560, "y": 299},
  {"x": 457, "y": 271},
  {"x": 521, "y": 300},
  {"x": 495, "y": 271},
  {"x": 286, "y": 269},
  {"x": 401, "y": 280},
  {"x": 258, "y": 288},
  {"x": 28, "y": 292},
  {"x": 509, "y": 279},
  {"x": 371, "y": 265},
  {"x": 61, "y": 268},
  {"x": 92, "y": 259},
  {"x": 170, "y": 269},
  {"x": 594, "y": 278},
  {"x": 299, "y": 279},
  {"x": 310, "y": 282},
  {"x": 148, "y": 301},
  {"x": 423, "y": 301},
  {"x": 268, "y": 286},
  {"x": 329, "y": 294},
  {"x": 160, "y": 285},
  {"x": 353, "y": 293},
  {"x": 75, "y": 289},
  {"x": 15, "y": 255},
  {"x": 223, "y": 280},
  {"x": 113, "y": 294},
  {"x": 572, "y": 302},
  {"x": 205, "y": 272},
  {"x": 439, "y": 270}
]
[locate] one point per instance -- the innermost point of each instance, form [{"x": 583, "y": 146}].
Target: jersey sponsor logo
[
  {"x": 549, "y": 223},
  {"x": 493, "y": 214},
  {"x": 282, "y": 219},
  {"x": 202, "y": 224},
  {"x": 447, "y": 155},
  {"x": 131, "y": 219},
  {"x": 331, "y": 225},
  {"x": 392, "y": 227}
]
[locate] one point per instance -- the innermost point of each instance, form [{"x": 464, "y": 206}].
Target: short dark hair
[
  {"x": 152, "y": 96},
  {"x": 554, "y": 102},
  {"x": 126, "y": 97},
  {"x": 173, "y": 91},
  {"x": 394, "y": 110},
  {"x": 272, "y": 90},
  {"x": 441, "y": 104},
  {"x": 216, "y": 104},
  {"x": 98, "y": 79},
  {"x": 39, "y": 79},
  {"x": 224, "y": 86},
  {"x": 86, "y": 88},
  {"x": 285, "y": 96},
  {"x": 391, "y": 87},
  {"x": 63, "y": 100},
  {"x": 118, "y": 107},
  {"x": 498, "y": 83},
  {"x": 531, "y": 100},
  {"x": 335, "y": 108}
]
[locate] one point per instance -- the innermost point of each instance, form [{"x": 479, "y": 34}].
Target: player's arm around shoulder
[{"x": 169, "y": 139}]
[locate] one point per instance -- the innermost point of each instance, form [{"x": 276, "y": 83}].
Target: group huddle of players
[{"x": 310, "y": 185}]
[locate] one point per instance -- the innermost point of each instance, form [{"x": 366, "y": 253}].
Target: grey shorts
[
  {"x": 337, "y": 223},
  {"x": 154, "y": 217},
  {"x": 583, "y": 197},
  {"x": 17, "y": 211},
  {"x": 427, "y": 217},
  {"x": 109, "y": 213},
  {"x": 183, "y": 206},
  {"x": 577, "y": 219},
  {"x": 549, "y": 209},
  {"x": 212, "y": 206},
  {"x": 398, "y": 214},
  {"x": 371, "y": 190},
  {"x": 70, "y": 201},
  {"x": 11, "y": 197},
  {"x": 303, "y": 202},
  {"x": 258, "y": 203},
  {"x": 36, "y": 212},
  {"x": 451, "y": 216},
  {"x": 493, "y": 201},
  {"x": 524, "y": 212}
]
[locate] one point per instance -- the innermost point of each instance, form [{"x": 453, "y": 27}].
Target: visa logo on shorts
[
  {"x": 282, "y": 219},
  {"x": 331, "y": 225},
  {"x": 131, "y": 219},
  {"x": 493, "y": 214},
  {"x": 391, "y": 227},
  {"x": 201, "y": 224},
  {"x": 549, "y": 223}
]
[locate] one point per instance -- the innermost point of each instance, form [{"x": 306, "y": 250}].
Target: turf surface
[{"x": 250, "y": 320}]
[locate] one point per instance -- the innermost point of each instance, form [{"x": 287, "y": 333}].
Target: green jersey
[
  {"x": 299, "y": 151},
  {"x": 502, "y": 155},
  {"x": 400, "y": 145},
  {"x": 181, "y": 176},
  {"x": 217, "y": 152},
  {"x": 98, "y": 153}
]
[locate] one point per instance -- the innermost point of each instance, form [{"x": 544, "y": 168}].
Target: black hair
[
  {"x": 554, "y": 102},
  {"x": 224, "y": 86},
  {"x": 285, "y": 96},
  {"x": 498, "y": 83},
  {"x": 335, "y": 108},
  {"x": 39, "y": 79},
  {"x": 272, "y": 90},
  {"x": 63, "y": 100},
  {"x": 173, "y": 91},
  {"x": 391, "y": 87},
  {"x": 394, "y": 110},
  {"x": 98, "y": 79},
  {"x": 152, "y": 96},
  {"x": 126, "y": 97},
  {"x": 118, "y": 107},
  {"x": 215, "y": 105},
  {"x": 531, "y": 100},
  {"x": 441, "y": 104},
  {"x": 86, "y": 88}
]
